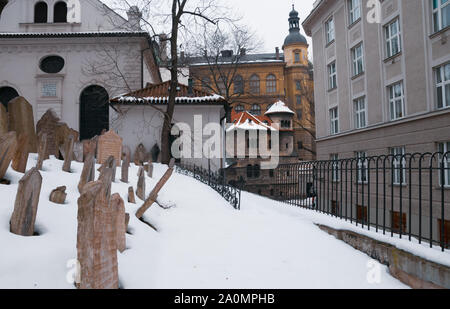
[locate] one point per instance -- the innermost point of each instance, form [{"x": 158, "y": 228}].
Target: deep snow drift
[{"x": 202, "y": 242}]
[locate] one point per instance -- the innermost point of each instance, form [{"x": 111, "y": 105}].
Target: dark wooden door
[{"x": 94, "y": 112}]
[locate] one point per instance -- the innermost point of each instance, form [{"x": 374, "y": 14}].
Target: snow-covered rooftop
[
  {"x": 247, "y": 121},
  {"x": 279, "y": 107}
]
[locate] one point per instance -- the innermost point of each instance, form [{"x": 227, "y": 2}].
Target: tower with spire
[{"x": 295, "y": 45}]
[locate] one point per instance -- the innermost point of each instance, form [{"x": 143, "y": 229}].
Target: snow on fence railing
[
  {"x": 402, "y": 194},
  {"x": 231, "y": 194}
]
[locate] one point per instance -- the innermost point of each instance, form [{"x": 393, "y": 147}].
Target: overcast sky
[{"x": 268, "y": 18}]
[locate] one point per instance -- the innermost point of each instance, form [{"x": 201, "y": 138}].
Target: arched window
[
  {"x": 238, "y": 84},
  {"x": 254, "y": 84},
  {"x": 271, "y": 84},
  {"x": 40, "y": 12},
  {"x": 297, "y": 56},
  {"x": 255, "y": 110},
  {"x": 60, "y": 12},
  {"x": 3, "y": 3},
  {"x": 239, "y": 109},
  {"x": 6, "y": 95}
]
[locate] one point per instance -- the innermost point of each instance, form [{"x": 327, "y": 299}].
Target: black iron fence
[
  {"x": 405, "y": 194},
  {"x": 216, "y": 181}
]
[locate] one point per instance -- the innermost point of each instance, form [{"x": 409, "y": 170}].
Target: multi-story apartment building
[{"x": 384, "y": 86}]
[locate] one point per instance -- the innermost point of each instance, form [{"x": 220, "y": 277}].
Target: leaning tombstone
[
  {"x": 78, "y": 152},
  {"x": 20, "y": 158},
  {"x": 8, "y": 144},
  {"x": 110, "y": 163},
  {"x": 150, "y": 170},
  {"x": 48, "y": 125},
  {"x": 96, "y": 238},
  {"x": 140, "y": 190},
  {"x": 88, "y": 173},
  {"x": 139, "y": 155},
  {"x": 26, "y": 205},
  {"x": 68, "y": 150},
  {"x": 131, "y": 198},
  {"x": 21, "y": 121},
  {"x": 125, "y": 164},
  {"x": 43, "y": 150},
  {"x": 118, "y": 208},
  {"x": 3, "y": 120}
]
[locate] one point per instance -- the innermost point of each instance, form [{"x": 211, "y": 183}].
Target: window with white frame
[
  {"x": 358, "y": 60},
  {"x": 393, "y": 38},
  {"x": 334, "y": 121},
  {"x": 443, "y": 86},
  {"x": 444, "y": 149},
  {"x": 332, "y": 76},
  {"x": 398, "y": 165},
  {"x": 354, "y": 8},
  {"x": 396, "y": 101},
  {"x": 335, "y": 168},
  {"x": 362, "y": 166},
  {"x": 441, "y": 14},
  {"x": 329, "y": 28},
  {"x": 359, "y": 106}
]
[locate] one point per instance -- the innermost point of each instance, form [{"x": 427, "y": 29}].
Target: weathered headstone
[
  {"x": 140, "y": 190},
  {"x": 68, "y": 150},
  {"x": 118, "y": 207},
  {"x": 88, "y": 173},
  {"x": 26, "y": 205},
  {"x": 109, "y": 144},
  {"x": 62, "y": 134},
  {"x": 110, "y": 163},
  {"x": 78, "y": 152},
  {"x": 90, "y": 146},
  {"x": 43, "y": 150},
  {"x": 3, "y": 120},
  {"x": 58, "y": 196},
  {"x": 96, "y": 238},
  {"x": 48, "y": 125},
  {"x": 127, "y": 221},
  {"x": 125, "y": 164},
  {"x": 150, "y": 170},
  {"x": 139, "y": 155},
  {"x": 20, "y": 158},
  {"x": 8, "y": 144},
  {"x": 155, "y": 152},
  {"x": 154, "y": 194},
  {"x": 21, "y": 121},
  {"x": 131, "y": 198}
]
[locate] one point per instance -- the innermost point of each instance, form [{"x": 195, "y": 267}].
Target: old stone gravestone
[
  {"x": 118, "y": 208},
  {"x": 110, "y": 163},
  {"x": 20, "y": 158},
  {"x": 68, "y": 150},
  {"x": 127, "y": 221},
  {"x": 90, "y": 146},
  {"x": 109, "y": 144},
  {"x": 150, "y": 170},
  {"x": 8, "y": 144},
  {"x": 58, "y": 196},
  {"x": 139, "y": 155},
  {"x": 43, "y": 150},
  {"x": 48, "y": 125},
  {"x": 140, "y": 190},
  {"x": 125, "y": 164},
  {"x": 96, "y": 238},
  {"x": 88, "y": 173},
  {"x": 78, "y": 152},
  {"x": 131, "y": 198},
  {"x": 3, "y": 120},
  {"x": 62, "y": 134},
  {"x": 21, "y": 121},
  {"x": 26, "y": 205}
]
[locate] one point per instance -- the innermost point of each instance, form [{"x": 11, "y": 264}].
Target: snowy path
[{"x": 202, "y": 242}]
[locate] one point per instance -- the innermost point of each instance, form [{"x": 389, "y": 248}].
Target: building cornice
[{"x": 318, "y": 9}]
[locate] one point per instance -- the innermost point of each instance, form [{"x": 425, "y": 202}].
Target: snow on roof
[
  {"x": 279, "y": 107},
  {"x": 73, "y": 34},
  {"x": 247, "y": 121}
]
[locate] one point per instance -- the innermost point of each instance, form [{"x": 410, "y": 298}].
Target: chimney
[
  {"x": 227, "y": 53},
  {"x": 134, "y": 18},
  {"x": 277, "y": 51},
  {"x": 163, "y": 47},
  {"x": 190, "y": 85},
  {"x": 243, "y": 52}
]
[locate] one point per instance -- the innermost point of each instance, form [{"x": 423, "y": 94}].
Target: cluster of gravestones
[{"x": 102, "y": 221}]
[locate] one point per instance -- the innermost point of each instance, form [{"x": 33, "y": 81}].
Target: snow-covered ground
[{"x": 201, "y": 243}]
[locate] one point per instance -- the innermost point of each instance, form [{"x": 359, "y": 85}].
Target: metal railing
[
  {"x": 407, "y": 195},
  {"x": 216, "y": 181}
]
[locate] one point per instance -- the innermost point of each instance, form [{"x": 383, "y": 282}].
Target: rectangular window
[
  {"x": 398, "y": 165},
  {"x": 396, "y": 101},
  {"x": 362, "y": 166},
  {"x": 298, "y": 85},
  {"x": 334, "y": 121},
  {"x": 359, "y": 106},
  {"x": 297, "y": 57},
  {"x": 398, "y": 221},
  {"x": 329, "y": 28},
  {"x": 443, "y": 86},
  {"x": 444, "y": 148},
  {"x": 393, "y": 38},
  {"x": 441, "y": 14},
  {"x": 335, "y": 167},
  {"x": 299, "y": 100},
  {"x": 354, "y": 7},
  {"x": 332, "y": 76},
  {"x": 357, "y": 60}
]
